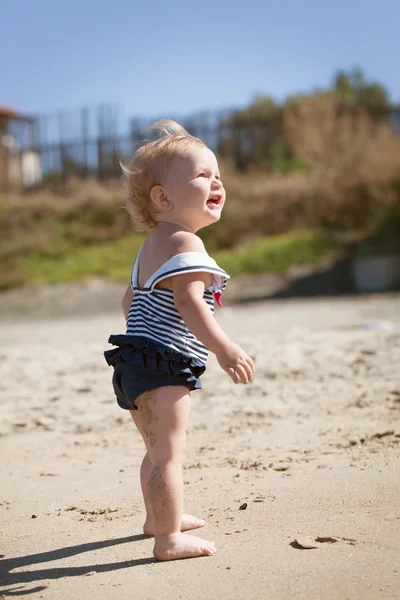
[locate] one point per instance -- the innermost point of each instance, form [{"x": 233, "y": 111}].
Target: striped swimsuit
[
  {"x": 153, "y": 313},
  {"x": 158, "y": 348}
]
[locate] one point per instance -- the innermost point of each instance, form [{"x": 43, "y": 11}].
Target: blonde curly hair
[{"x": 148, "y": 167}]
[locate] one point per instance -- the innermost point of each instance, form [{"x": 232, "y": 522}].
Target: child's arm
[
  {"x": 127, "y": 301},
  {"x": 188, "y": 296}
]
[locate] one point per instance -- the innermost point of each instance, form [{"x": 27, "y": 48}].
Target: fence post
[
  {"x": 85, "y": 135},
  {"x": 135, "y": 134},
  {"x": 100, "y": 157}
]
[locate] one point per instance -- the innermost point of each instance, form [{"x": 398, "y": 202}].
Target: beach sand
[{"x": 297, "y": 474}]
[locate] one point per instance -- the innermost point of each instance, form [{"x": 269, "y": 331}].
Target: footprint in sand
[{"x": 310, "y": 543}]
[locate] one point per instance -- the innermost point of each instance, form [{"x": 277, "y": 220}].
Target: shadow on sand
[
  {"x": 332, "y": 280},
  {"x": 8, "y": 578}
]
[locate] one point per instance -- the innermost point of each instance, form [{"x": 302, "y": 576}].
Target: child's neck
[{"x": 176, "y": 226}]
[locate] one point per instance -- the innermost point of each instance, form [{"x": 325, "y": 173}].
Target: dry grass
[
  {"x": 353, "y": 181},
  {"x": 355, "y": 158}
]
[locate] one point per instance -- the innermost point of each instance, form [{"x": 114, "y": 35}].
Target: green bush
[
  {"x": 276, "y": 254},
  {"x": 114, "y": 259}
]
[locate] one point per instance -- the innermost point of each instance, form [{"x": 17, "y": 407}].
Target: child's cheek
[{"x": 199, "y": 187}]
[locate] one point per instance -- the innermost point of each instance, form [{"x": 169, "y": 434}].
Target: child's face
[{"x": 194, "y": 188}]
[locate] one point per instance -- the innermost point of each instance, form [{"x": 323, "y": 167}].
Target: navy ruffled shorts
[{"x": 141, "y": 365}]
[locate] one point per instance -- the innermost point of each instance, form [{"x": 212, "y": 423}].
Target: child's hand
[{"x": 236, "y": 363}]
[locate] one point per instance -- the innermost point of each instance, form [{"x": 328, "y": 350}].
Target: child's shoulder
[{"x": 185, "y": 241}]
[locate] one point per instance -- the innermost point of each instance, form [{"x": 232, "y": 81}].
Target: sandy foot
[
  {"x": 188, "y": 522},
  {"x": 179, "y": 545}
]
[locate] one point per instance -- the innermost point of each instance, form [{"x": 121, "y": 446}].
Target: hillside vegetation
[{"x": 331, "y": 165}]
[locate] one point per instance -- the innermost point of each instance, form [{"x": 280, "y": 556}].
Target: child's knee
[{"x": 164, "y": 455}]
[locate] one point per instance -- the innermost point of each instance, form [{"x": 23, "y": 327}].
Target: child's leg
[
  {"x": 188, "y": 521},
  {"x": 145, "y": 470},
  {"x": 164, "y": 416}
]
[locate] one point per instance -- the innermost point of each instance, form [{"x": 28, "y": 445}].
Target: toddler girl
[{"x": 174, "y": 189}]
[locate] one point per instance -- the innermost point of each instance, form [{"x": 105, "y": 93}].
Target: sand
[{"x": 297, "y": 474}]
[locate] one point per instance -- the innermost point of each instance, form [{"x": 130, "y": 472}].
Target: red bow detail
[{"x": 217, "y": 296}]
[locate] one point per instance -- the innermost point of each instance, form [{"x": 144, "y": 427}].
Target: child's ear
[{"x": 159, "y": 196}]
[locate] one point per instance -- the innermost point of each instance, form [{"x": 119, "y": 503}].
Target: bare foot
[
  {"x": 180, "y": 545},
  {"x": 188, "y": 522}
]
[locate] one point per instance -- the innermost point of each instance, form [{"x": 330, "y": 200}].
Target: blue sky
[{"x": 153, "y": 58}]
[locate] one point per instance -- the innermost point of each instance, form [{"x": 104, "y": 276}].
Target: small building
[{"x": 20, "y": 164}]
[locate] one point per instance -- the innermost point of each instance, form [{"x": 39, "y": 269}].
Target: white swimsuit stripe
[{"x": 153, "y": 313}]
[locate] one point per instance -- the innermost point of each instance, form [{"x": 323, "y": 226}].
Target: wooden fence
[{"x": 95, "y": 142}]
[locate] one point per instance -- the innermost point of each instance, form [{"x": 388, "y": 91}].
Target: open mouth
[{"x": 214, "y": 200}]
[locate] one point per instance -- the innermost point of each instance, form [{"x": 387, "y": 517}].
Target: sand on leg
[
  {"x": 164, "y": 415},
  {"x": 188, "y": 521}
]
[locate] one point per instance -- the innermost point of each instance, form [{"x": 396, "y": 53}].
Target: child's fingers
[
  {"x": 233, "y": 375},
  {"x": 249, "y": 366},
  {"x": 242, "y": 372},
  {"x": 250, "y": 362},
  {"x": 249, "y": 370}
]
